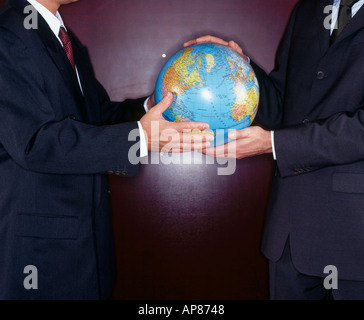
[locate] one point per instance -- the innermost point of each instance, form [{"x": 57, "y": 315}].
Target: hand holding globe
[
  {"x": 247, "y": 141},
  {"x": 211, "y": 83},
  {"x": 211, "y": 39},
  {"x": 162, "y": 135}
]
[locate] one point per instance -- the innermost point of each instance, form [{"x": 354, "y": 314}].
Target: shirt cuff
[
  {"x": 273, "y": 147},
  {"x": 143, "y": 142},
  {"x": 146, "y": 105}
]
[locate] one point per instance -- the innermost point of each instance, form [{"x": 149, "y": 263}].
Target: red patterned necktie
[{"x": 67, "y": 46}]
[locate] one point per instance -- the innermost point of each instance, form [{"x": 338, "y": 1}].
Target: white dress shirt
[
  {"x": 335, "y": 13},
  {"x": 55, "y": 22}
]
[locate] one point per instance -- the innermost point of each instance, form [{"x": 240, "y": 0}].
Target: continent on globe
[{"x": 211, "y": 83}]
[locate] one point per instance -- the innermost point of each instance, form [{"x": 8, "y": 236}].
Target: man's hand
[
  {"x": 247, "y": 142},
  {"x": 163, "y": 135},
  {"x": 211, "y": 39}
]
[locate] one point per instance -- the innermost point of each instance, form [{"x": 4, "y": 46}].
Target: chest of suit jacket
[
  {"x": 54, "y": 75},
  {"x": 323, "y": 80}
]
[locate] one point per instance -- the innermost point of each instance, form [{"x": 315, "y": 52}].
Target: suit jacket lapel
[
  {"x": 58, "y": 55},
  {"x": 87, "y": 80},
  {"x": 55, "y": 51},
  {"x": 321, "y": 16}
]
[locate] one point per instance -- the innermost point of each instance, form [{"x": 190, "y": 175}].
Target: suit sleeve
[
  {"x": 119, "y": 112},
  {"x": 336, "y": 140},
  {"x": 36, "y": 141}
]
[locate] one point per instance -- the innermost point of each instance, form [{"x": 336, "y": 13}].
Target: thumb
[{"x": 165, "y": 103}]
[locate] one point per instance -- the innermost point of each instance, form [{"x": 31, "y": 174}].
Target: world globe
[{"x": 210, "y": 83}]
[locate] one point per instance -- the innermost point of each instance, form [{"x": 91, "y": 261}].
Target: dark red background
[{"x": 182, "y": 231}]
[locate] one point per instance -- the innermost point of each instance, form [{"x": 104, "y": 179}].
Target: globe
[{"x": 210, "y": 83}]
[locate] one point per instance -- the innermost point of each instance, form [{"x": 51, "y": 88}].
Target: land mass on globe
[{"x": 211, "y": 83}]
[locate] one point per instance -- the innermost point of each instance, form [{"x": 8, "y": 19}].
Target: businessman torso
[
  {"x": 316, "y": 94},
  {"x": 54, "y": 153}
]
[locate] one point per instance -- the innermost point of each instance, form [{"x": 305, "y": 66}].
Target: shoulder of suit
[
  {"x": 13, "y": 21},
  {"x": 12, "y": 29},
  {"x": 11, "y": 17}
]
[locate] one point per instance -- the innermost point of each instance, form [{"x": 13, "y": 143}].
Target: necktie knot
[{"x": 67, "y": 46}]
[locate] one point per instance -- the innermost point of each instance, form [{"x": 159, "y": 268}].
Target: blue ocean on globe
[{"x": 211, "y": 83}]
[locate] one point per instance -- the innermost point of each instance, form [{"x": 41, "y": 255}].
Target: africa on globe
[{"x": 210, "y": 83}]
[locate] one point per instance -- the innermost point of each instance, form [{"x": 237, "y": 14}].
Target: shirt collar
[{"x": 55, "y": 22}]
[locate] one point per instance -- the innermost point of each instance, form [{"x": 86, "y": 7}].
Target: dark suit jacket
[
  {"x": 316, "y": 96},
  {"x": 56, "y": 147}
]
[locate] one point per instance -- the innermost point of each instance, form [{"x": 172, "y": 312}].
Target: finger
[
  {"x": 184, "y": 128},
  {"x": 186, "y": 147},
  {"x": 190, "y": 42},
  {"x": 201, "y": 146},
  {"x": 213, "y": 39},
  {"x": 198, "y": 138},
  {"x": 182, "y": 140},
  {"x": 186, "y": 136},
  {"x": 200, "y": 126},
  {"x": 207, "y": 39},
  {"x": 233, "y": 45},
  {"x": 218, "y": 152},
  {"x": 239, "y": 134},
  {"x": 164, "y": 104}
]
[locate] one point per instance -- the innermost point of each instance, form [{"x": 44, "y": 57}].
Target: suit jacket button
[
  {"x": 320, "y": 75},
  {"x": 117, "y": 173},
  {"x": 124, "y": 173},
  {"x": 110, "y": 172},
  {"x": 72, "y": 116}
]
